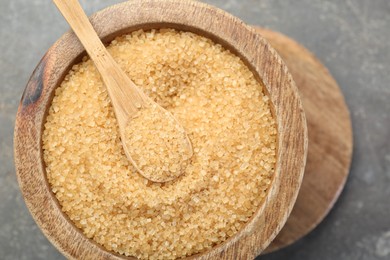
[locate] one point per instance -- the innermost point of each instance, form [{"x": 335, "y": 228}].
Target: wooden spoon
[{"x": 126, "y": 98}]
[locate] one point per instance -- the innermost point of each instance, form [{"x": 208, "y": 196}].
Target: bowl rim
[{"x": 187, "y": 15}]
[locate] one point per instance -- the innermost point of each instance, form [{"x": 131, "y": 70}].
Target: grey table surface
[{"x": 351, "y": 37}]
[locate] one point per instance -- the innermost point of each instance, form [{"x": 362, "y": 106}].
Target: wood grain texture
[
  {"x": 330, "y": 139},
  {"x": 183, "y": 15}
]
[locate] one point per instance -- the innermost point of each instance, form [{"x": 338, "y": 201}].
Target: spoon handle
[{"x": 119, "y": 86}]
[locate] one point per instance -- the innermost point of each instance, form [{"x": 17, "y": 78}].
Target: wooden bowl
[{"x": 204, "y": 20}]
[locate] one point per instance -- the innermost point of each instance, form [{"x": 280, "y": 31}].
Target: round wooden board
[{"x": 330, "y": 139}]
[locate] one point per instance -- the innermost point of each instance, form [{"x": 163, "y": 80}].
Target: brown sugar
[
  {"x": 227, "y": 117},
  {"x": 157, "y": 144}
]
